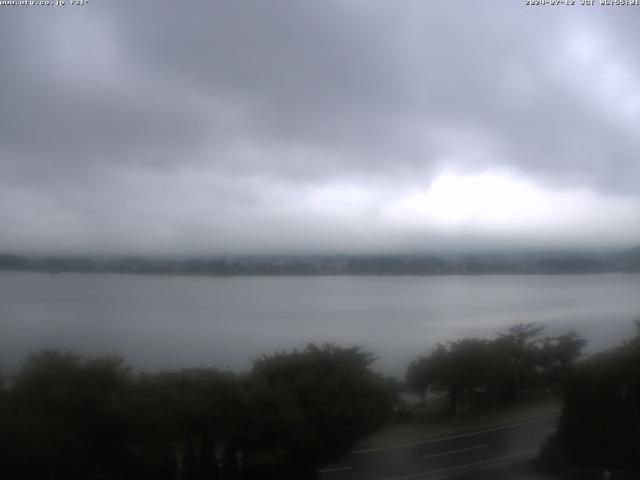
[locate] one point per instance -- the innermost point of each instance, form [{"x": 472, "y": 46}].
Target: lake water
[{"x": 166, "y": 321}]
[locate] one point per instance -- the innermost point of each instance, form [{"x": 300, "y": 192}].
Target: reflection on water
[{"x": 160, "y": 322}]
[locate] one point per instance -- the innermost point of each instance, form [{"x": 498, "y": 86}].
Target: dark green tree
[
  {"x": 68, "y": 417},
  {"x": 180, "y": 418},
  {"x": 600, "y": 423},
  {"x": 518, "y": 360},
  {"x": 462, "y": 369},
  {"x": 310, "y": 405}
]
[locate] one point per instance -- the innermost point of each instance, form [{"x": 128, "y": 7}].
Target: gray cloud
[{"x": 280, "y": 125}]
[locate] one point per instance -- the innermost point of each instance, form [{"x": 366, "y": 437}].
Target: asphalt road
[{"x": 503, "y": 452}]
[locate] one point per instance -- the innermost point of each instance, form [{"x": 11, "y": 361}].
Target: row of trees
[
  {"x": 65, "y": 417},
  {"x": 471, "y": 370}
]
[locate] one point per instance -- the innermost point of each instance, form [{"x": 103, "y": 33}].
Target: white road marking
[
  {"x": 451, "y": 452},
  {"x": 336, "y": 469},
  {"x": 450, "y": 437},
  {"x": 550, "y": 430},
  {"x": 499, "y": 460}
]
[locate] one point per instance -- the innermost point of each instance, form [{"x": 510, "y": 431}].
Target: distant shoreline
[{"x": 333, "y": 265}]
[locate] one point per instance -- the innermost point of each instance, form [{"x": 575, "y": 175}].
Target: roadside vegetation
[
  {"x": 600, "y": 426},
  {"x": 471, "y": 373},
  {"x": 68, "y": 417}
]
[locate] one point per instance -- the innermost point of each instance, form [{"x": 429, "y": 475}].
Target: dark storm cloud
[
  {"x": 377, "y": 80},
  {"x": 65, "y": 113},
  {"x": 214, "y": 125}
]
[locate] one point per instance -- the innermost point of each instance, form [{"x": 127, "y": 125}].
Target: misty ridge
[{"x": 626, "y": 261}]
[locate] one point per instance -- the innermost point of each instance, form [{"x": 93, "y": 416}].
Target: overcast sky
[{"x": 325, "y": 126}]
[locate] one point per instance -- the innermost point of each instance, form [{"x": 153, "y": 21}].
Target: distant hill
[
  {"x": 630, "y": 259},
  {"x": 562, "y": 263}
]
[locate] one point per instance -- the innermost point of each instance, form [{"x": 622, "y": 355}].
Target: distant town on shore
[{"x": 627, "y": 261}]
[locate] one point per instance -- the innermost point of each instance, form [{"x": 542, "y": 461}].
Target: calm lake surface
[{"x": 167, "y": 321}]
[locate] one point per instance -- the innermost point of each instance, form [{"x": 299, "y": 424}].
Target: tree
[
  {"x": 560, "y": 356},
  {"x": 68, "y": 418},
  {"x": 463, "y": 367},
  {"x": 315, "y": 403},
  {"x": 500, "y": 369},
  {"x": 600, "y": 423},
  {"x": 519, "y": 351},
  {"x": 180, "y": 417}
]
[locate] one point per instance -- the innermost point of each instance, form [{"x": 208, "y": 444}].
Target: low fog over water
[{"x": 164, "y": 322}]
